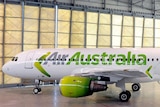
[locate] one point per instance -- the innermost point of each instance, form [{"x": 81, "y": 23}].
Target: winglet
[{"x": 148, "y": 72}]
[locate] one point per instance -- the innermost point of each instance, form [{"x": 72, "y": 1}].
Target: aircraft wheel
[
  {"x": 124, "y": 96},
  {"x": 39, "y": 89},
  {"x": 36, "y": 90},
  {"x": 136, "y": 87},
  {"x": 128, "y": 92}
]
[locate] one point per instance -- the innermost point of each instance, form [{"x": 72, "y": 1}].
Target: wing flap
[{"x": 119, "y": 73}]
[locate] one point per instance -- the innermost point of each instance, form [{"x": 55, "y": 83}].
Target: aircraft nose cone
[
  {"x": 5, "y": 69},
  {"x": 9, "y": 69}
]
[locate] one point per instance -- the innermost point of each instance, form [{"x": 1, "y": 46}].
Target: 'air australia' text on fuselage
[{"x": 79, "y": 58}]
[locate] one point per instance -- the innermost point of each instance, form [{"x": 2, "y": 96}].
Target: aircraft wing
[{"x": 114, "y": 74}]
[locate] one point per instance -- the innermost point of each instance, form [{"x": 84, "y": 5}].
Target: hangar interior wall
[{"x": 24, "y": 27}]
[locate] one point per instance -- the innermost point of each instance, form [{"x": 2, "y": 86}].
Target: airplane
[{"x": 84, "y": 71}]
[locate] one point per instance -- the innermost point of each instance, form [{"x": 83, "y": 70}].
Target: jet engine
[{"x": 76, "y": 86}]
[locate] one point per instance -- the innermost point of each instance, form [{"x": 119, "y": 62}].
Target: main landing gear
[
  {"x": 136, "y": 87},
  {"x": 37, "y": 88},
  {"x": 125, "y": 95}
]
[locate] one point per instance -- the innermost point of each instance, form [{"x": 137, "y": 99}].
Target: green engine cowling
[{"x": 76, "y": 86}]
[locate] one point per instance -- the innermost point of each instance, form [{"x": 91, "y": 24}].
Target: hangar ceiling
[{"x": 144, "y": 8}]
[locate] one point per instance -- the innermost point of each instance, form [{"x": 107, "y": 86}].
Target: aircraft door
[{"x": 29, "y": 61}]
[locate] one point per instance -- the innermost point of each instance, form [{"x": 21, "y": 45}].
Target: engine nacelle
[{"x": 75, "y": 86}]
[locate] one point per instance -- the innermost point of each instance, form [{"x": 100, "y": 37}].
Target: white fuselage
[{"x": 53, "y": 64}]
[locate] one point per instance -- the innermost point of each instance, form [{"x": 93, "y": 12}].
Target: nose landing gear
[{"x": 37, "y": 88}]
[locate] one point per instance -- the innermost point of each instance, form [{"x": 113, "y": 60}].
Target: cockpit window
[{"x": 14, "y": 58}]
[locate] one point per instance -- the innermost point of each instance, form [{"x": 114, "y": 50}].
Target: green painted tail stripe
[
  {"x": 39, "y": 66},
  {"x": 148, "y": 72}
]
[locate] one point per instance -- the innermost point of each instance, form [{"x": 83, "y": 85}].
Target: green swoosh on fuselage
[
  {"x": 148, "y": 72},
  {"x": 39, "y": 66}
]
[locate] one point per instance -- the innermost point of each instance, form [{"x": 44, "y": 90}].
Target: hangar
[{"x": 32, "y": 24}]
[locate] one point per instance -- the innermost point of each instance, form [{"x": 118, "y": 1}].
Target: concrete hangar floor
[{"x": 148, "y": 96}]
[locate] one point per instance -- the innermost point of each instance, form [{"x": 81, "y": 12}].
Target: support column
[
  {"x": 104, "y": 4},
  {"x": 154, "y": 37},
  {"x": 73, "y": 2},
  {"x": 143, "y": 33},
  {"x": 121, "y": 31},
  {"x": 22, "y": 48},
  {"x": 22, "y": 40},
  {"x": 111, "y": 16},
  {"x": 134, "y": 38},
  {"x": 3, "y": 42},
  {"x": 153, "y": 7},
  {"x": 97, "y": 30},
  {"x": 70, "y": 29},
  {"x": 56, "y": 27},
  {"x": 85, "y": 28},
  {"x": 39, "y": 26}
]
